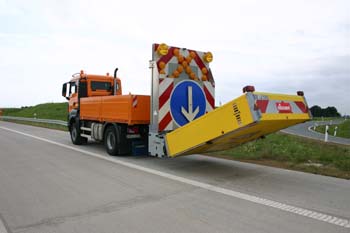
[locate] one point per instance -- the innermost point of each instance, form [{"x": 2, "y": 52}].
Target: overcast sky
[{"x": 277, "y": 46}]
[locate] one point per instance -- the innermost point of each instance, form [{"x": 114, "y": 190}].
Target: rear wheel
[
  {"x": 75, "y": 135},
  {"x": 111, "y": 140}
]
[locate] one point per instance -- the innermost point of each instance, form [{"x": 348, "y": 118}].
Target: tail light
[{"x": 133, "y": 130}]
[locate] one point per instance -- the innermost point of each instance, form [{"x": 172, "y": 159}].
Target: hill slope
[{"x": 56, "y": 111}]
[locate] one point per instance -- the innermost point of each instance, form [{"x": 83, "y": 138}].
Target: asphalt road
[
  {"x": 303, "y": 131},
  {"x": 49, "y": 185}
]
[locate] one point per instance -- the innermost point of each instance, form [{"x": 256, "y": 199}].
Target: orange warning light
[
  {"x": 176, "y": 73},
  {"x": 180, "y": 68},
  {"x": 162, "y": 49},
  {"x": 161, "y": 65},
  {"x": 176, "y": 52},
  {"x": 180, "y": 59},
  {"x": 193, "y": 75},
  {"x": 192, "y": 54},
  {"x": 208, "y": 57}
]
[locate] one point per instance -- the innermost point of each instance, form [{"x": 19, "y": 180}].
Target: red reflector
[
  {"x": 133, "y": 130},
  {"x": 248, "y": 89}
]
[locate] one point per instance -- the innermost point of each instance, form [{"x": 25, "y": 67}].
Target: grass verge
[
  {"x": 343, "y": 129},
  {"x": 55, "y": 111},
  {"x": 295, "y": 153}
]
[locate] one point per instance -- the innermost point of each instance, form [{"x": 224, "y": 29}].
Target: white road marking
[
  {"x": 2, "y": 226},
  {"x": 258, "y": 200}
]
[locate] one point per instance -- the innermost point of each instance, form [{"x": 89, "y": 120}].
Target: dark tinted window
[
  {"x": 101, "y": 86},
  {"x": 82, "y": 89}
]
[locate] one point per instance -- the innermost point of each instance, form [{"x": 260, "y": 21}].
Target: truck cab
[{"x": 83, "y": 85}]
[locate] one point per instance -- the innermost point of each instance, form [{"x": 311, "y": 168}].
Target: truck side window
[{"x": 106, "y": 86}]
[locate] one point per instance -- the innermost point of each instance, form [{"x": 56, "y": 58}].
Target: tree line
[{"x": 317, "y": 111}]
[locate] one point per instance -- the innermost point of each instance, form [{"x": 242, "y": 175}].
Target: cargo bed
[{"x": 128, "y": 109}]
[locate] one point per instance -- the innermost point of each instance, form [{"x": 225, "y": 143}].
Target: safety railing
[{"x": 48, "y": 121}]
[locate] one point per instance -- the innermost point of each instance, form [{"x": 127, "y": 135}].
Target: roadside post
[
  {"x": 326, "y": 134},
  {"x": 335, "y": 131}
]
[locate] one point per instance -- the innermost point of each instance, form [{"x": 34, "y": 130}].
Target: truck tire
[
  {"x": 75, "y": 135},
  {"x": 111, "y": 140}
]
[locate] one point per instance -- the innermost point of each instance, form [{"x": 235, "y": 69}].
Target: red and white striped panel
[
  {"x": 277, "y": 106},
  {"x": 165, "y": 120},
  {"x": 209, "y": 91},
  {"x": 167, "y": 80},
  {"x": 134, "y": 101}
]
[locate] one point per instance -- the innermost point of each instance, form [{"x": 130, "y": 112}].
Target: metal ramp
[{"x": 241, "y": 120}]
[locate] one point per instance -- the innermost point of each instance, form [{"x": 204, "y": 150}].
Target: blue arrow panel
[{"x": 179, "y": 99}]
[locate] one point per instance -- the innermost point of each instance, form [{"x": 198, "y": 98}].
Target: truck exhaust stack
[{"x": 115, "y": 82}]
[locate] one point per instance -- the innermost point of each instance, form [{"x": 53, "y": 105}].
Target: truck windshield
[
  {"x": 95, "y": 85},
  {"x": 73, "y": 88}
]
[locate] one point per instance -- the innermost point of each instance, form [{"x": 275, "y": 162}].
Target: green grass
[
  {"x": 343, "y": 129},
  {"x": 56, "y": 111},
  {"x": 295, "y": 153}
]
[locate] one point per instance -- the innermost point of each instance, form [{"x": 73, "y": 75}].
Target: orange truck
[
  {"x": 179, "y": 117},
  {"x": 98, "y": 110}
]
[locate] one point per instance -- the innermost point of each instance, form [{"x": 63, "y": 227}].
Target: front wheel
[{"x": 75, "y": 135}]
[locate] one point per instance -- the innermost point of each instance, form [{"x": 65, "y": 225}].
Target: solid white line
[
  {"x": 2, "y": 226},
  {"x": 274, "y": 204}
]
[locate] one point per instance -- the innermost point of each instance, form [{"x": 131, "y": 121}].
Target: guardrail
[{"x": 48, "y": 121}]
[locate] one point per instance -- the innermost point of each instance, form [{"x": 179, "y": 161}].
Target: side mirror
[{"x": 64, "y": 91}]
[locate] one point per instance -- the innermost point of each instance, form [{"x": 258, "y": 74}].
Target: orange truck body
[
  {"x": 102, "y": 106},
  {"x": 128, "y": 109}
]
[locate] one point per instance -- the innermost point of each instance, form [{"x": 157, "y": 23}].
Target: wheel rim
[{"x": 110, "y": 141}]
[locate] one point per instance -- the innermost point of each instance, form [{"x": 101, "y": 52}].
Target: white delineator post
[
  {"x": 326, "y": 134},
  {"x": 335, "y": 131}
]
